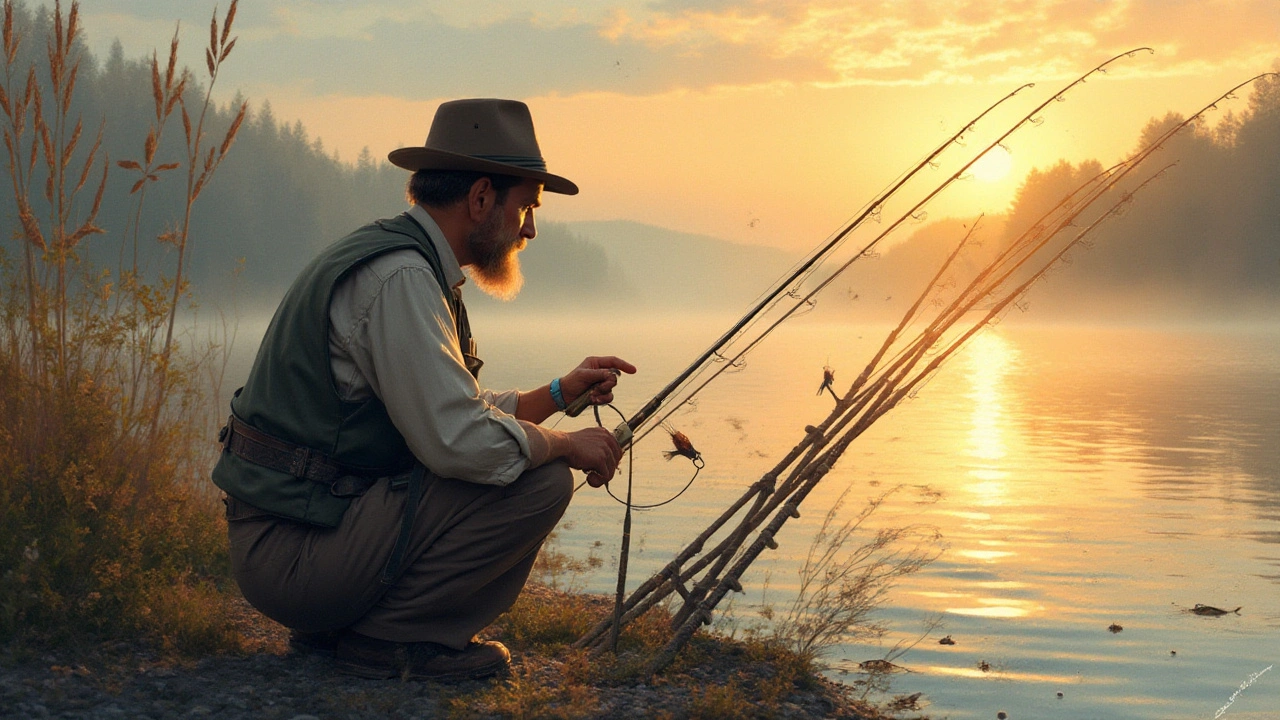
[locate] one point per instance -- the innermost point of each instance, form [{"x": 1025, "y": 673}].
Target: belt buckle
[{"x": 301, "y": 460}]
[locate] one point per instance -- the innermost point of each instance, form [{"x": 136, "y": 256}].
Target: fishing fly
[
  {"x": 683, "y": 447},
  {"x": 828, "y": 379}
]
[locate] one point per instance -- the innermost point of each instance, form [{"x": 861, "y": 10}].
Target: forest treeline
[
  {"x": 1201, "y": 242},
  {"x": 277, "y": 198},
  {"x": 1204, "y": 239}
]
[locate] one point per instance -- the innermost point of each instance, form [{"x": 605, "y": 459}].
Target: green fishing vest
[{"x": 291, "y": 395}]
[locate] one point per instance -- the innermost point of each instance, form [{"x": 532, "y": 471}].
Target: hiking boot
[
  {"x": 368, "y": 657},
  {"x": 314, "y": 643}
]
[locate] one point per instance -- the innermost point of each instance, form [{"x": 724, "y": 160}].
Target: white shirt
[{"x": 391, "y": 334}]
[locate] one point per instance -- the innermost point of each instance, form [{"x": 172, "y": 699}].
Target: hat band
[{"x": 525, "y": 161}]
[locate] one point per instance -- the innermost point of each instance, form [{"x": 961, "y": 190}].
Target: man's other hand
[
  {"x": 595, "y": 451},
  {"x": 597, "y": 375}
]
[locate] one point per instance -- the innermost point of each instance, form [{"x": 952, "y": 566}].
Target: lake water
[{"x": 1087, "y": 477}]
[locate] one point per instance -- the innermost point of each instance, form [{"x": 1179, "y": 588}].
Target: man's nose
[{"x": 528, "y": 230}]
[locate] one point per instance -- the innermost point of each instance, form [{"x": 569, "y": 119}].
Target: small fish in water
[
  {"x": 1210, "y": 611},
  {"x": 828, "y": 379},
  {"x": 1115, "y": 627},
  {"x": 947, "y": 641},
  {"x": 684, "y": 447}
]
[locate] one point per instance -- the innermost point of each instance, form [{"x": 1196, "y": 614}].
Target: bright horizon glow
[{"x": 994, "y": 165}]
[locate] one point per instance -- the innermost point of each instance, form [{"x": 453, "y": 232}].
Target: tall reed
[{"x": 100, "y": 530}]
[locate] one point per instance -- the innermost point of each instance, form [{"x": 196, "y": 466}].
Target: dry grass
[{"x": 105, "y": 530}]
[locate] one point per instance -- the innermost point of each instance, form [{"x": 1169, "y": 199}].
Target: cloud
[
  {"x": 434, "y": 48},
  {"x": 906, "y": 43}
]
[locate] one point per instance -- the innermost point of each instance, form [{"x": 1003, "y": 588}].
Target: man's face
[{"x": 504, "y": 232}]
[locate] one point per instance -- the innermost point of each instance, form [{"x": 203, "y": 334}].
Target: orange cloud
[{"x": 965, "y": 41}]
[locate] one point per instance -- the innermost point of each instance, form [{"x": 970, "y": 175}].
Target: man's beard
[{"x": 494, "y": 265}]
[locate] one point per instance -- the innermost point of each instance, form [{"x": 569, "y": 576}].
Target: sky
[{"x": 760, "y": 122}]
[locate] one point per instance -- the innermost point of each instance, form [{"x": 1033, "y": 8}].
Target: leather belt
[{"x": 259, "y": 448}]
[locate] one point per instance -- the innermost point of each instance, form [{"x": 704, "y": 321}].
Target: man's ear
[{"x": 481, "y": 199}]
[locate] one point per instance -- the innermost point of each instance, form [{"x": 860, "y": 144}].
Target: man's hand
[
  {"x": 597, "y": 375},
  {"x": 596, "y": 451}
]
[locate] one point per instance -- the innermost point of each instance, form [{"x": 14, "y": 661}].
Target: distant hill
[{"x": 672, "y": 268}]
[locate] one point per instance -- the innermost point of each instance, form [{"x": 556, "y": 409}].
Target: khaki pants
[{"x": 469, "y": 555}]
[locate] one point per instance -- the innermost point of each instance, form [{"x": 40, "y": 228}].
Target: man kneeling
[{"x": 379, "y": 502}]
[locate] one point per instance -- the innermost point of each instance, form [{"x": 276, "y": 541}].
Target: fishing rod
[
  {"x": 624, "y": 432},
  {"x": 829, "y": 440},
  {"x": 651, "y": 407}
]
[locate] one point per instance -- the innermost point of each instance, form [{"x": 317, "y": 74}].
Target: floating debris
[
  {"x": 1002, "y": 715},
  {"x": 1115, "y": 627},
  {"x": 1210, "y": 611},
  {"x": 880, "y": 666},
  {"x": 1059, "y": 695},
  {"x": 947, "y": 641},
  {"x": 906, "y": 702},
  {"x": 984, "y": 666}
]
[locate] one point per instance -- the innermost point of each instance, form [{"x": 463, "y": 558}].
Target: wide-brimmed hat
[{"x": 483, "y": 135}]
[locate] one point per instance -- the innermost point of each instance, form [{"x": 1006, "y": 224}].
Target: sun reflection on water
[{"x": 989, "y": 358}]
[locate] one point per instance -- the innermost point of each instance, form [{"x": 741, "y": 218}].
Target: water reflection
[
  {"x": 1088, "y": 479},
  {"x": 989, "y": 359}
]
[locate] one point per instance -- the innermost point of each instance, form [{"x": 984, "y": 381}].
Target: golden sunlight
[
  {"x": 994, "y": 165},
  {"x": 989, "y": 359}
]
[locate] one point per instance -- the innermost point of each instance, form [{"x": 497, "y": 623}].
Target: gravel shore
[{"x": 131, "y": 680}]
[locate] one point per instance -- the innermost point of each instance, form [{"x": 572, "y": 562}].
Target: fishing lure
[{"x": 683, "y": 446}]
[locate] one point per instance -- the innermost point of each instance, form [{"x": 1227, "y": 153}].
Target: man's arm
[{"x": 399, "y": 337}]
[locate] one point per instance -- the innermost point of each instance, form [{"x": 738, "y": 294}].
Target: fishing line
[
  {"x": 651, "y": 408},
  {"x": 698, "y": 464},
  {"x": 873, "y": 209}
]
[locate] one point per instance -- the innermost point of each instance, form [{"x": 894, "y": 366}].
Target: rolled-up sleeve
[{"x": 405, "y": 345}]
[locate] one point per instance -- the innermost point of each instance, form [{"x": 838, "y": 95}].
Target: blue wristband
[{"x": 556, "y": 396}]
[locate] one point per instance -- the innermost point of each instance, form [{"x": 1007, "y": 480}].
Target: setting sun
[{"x": 994, "y": 165}]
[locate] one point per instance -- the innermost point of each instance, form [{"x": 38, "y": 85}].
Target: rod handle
[{"x": 583, "y": 401}]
